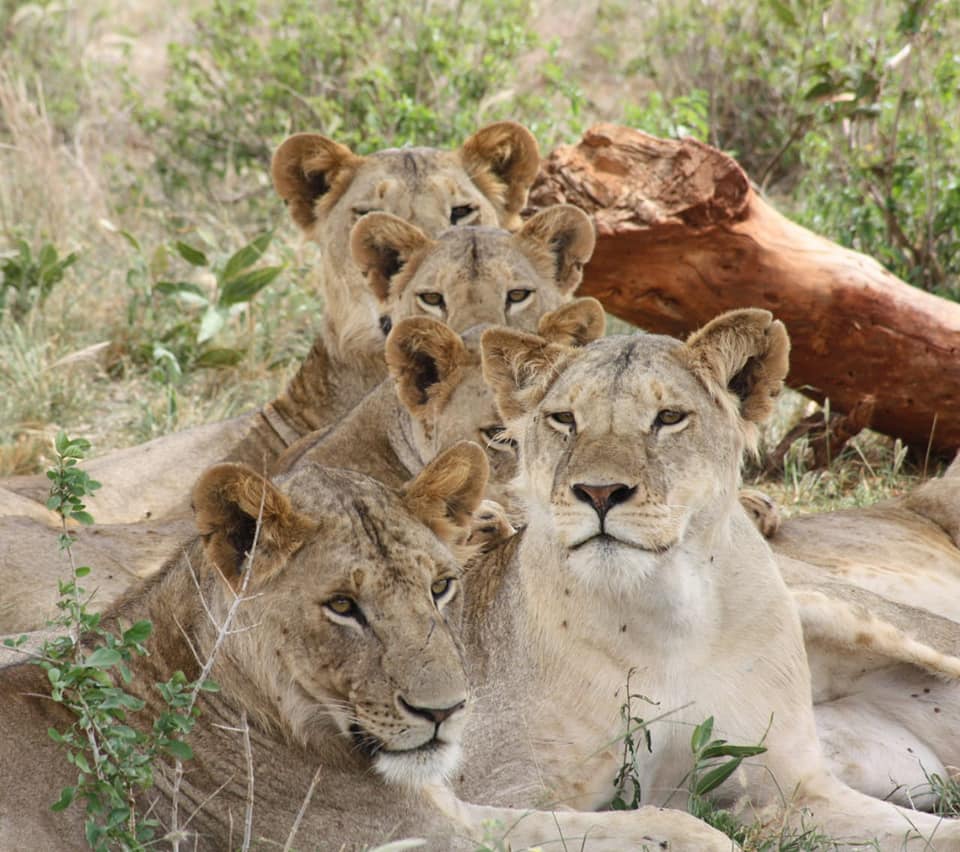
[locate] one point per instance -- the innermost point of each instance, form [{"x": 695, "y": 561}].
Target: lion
[
  {"x": 638, "y": 561},
  {"x": 327, "y": 188},
  {"x": 341, "y": 680}
]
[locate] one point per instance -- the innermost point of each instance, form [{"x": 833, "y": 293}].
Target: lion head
[
  {"x": 473, "y": 275},
  {"x": 439, "y": 381},
  {"x": 328, "y": 188},
  {"x": 353, "y": 605},
  {"x": 631, "y": 442}
]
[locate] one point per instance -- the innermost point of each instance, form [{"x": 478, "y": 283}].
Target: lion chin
[
  {"x": 431, "y": 763},
  {"x": 605, "y": 562}
]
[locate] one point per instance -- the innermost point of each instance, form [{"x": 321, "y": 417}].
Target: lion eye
[
  {"x": 669, "y": 417},
  {"x": 433, "y": 300},
  {"x": 345, "y": 607},
  {"x": 495, "y": 437},
  {"x": 564, "y": 421},
  {"x": 461, "y": 212},
  {"x": 515, "y": 297},
  {"x": 440, "y": 589}
]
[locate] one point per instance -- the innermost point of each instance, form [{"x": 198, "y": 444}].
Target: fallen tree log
[{"x": 682, "y": 236}]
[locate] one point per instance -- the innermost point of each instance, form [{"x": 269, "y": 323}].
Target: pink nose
[{"x": 603, "y": 497}]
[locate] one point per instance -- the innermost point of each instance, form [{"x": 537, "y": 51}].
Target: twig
[
  {"x": 248, "y": 753},
  {"x": 303, "y": 809}
]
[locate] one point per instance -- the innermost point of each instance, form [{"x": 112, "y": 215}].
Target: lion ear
[
  {"x": 564, "y": 237},
  {"x": 519, "y": 368},
  {"x": 448, "y": 491},
  {"x": 503, "y": 159},
  {"x": 308, "y": 167},
  {"x": 575, "y": 324},
  {"x": 742, "y": 355},
  {"x": 229, "y": 501},
  {"x": 424, "y": 357},
  {"x": 381, "y": 245}
]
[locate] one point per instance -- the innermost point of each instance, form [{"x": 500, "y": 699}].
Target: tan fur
[
  {"x": 474, "y": 274},
  {"x": 435, "y": 397},
  {"x": 345, "y": 698},
  {"x": 683, "y": 596}
]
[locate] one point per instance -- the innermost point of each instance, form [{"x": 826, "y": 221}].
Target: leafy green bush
[
  {"x": 28, "y": 278},
  {"x": 372, "y": 75}
]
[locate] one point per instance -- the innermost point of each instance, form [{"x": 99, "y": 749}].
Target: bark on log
[{"x": 682, "y": 236}]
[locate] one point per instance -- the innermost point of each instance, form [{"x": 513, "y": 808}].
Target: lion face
[
  {"x": 631, "y": 443},
  {"x": 474, "y": 275},
  {"x": 352, "y": 627},
  {"x": 329, "y": 189}
]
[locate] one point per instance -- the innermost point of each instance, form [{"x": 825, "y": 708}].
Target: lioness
[
  {"x": 342, "y": 665},
  {"x": 638, "y": 561},
  {"x": 327, "y": 188}
]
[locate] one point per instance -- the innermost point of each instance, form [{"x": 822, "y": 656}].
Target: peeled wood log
[{"x": 682, "y": 236}]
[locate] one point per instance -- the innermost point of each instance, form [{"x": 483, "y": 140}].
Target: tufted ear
[
  {"x": 519, "y": 368},
  {"x": 562, "y": 236},
  {"x": 503, "y": 159},
  {"x": 576, "y": 323},
  {"x": 381, "y": 244},
  {"x": 448, "y": 491},
  {"x": 308, "y": 167},
  {"x": 424, "y": 356},
  {"x": 742, "y": 356},
  {"x": 228, "y": 501}
]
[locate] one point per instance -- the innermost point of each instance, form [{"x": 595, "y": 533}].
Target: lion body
[{"x": 639, "y": 566}]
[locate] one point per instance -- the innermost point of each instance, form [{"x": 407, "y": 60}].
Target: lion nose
[
  {"x": 437, "y": 715},
  {"x": 603, "y": 497}
]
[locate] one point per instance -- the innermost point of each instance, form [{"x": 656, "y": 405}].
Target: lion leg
[
  {"x": 762, "y": 510},
  {"x": 602, "y": 831},
  {"x": 849, "y": 817},
  {"x": 895, "y": 730}
]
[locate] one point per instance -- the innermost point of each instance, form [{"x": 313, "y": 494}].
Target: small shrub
[{"x": 28, "y": 278}]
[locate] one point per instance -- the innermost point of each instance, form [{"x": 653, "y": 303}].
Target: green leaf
[
  {"x": 193, "y": 292},
  {"x": 701, "y": 735},
  {"x": 723, "y": 749},
  {"x": 212, "y": 322},
  {"x": 821, "y": 90},
  {"x": 103, "y": 658},
  {"x": 244, "y": 287},
  {"x": 138, "y": 633},
  {"x": 66, "y": 797},
  {"x": 190, "y": 254},
  {"x": 84, "y": 518},
  {"x": 219, "y": 357},
  {"x": 82, "y": 571},
  {"x": 715, "y": 777},
  {"x": 245, "y": 257},
  {"x": 784, "y": 13},
  {"x": 210, "y": 686},
  {"x": 179, "y": 749}
]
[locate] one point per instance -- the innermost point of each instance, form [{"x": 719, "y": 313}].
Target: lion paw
[
  {"x": 763, "y": 511},
  {"x": 490, "y": 526}
]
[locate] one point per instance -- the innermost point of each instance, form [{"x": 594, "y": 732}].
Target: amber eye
[
  {"x": 439, "y": 588},
  {"x": 434, "y": 300},
  {"x": 563, "y": 421},
  {"x": 515, "y": 297},
  {"x": 669, "y": 417},
  {"x": 344, "y": 606},
  {"x": 461, "y": 212}
]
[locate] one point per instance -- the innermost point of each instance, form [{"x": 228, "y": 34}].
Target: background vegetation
[{"x": 135, "y": 141}]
